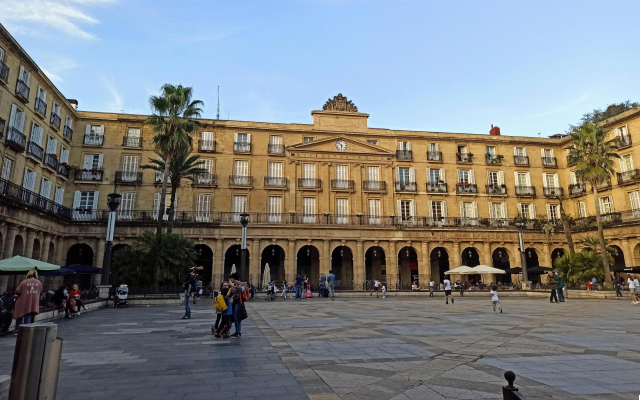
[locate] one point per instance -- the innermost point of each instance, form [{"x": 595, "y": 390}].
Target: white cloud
[
  {"x": 27, "y": 16},
  {"x": 56, "y": 67},
  {"x": 116, "y": 104}
]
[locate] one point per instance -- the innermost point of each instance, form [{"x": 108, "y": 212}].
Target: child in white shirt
[
  {"x": 494, "y": 298},
  {"x": 384, "y": 290}
]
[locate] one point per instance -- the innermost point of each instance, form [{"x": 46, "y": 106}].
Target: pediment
[{"x": 329, "y": 146}]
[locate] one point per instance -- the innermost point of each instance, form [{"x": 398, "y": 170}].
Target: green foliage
[
  {"x": 599, "y": 115},
  {"x": 549, "y": 229},
  {"x": 580, "y": 268},
  {"x": 592, "y": 154},
  {"x": 171, "y": 254},
  {"x": 592, "y": 243}
]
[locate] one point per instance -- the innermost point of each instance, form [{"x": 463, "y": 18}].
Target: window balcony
[
  {"x": 240, "y": 181},
  {"x": 342, "y": 184},
  {"x": 63, "y": 170},
  {"x": 2, "y": 126},
  {"x": 276, "y": 149},
  {"x": 604, "y": 185},
  {"x": 206, "y": 146},
  {"x": 55, "y": 120},
  {"x": 374, "y": 186},
  {"x": 51, "y": 160},
  {"x": 127, "y": 177},
  {"x": 549, "y": 162},
  {"x": 204, "y": 180},
  {"x": 570, "y": 161},
  {"x": 35, "y": 150},
  {"x": 4, "y": 72},
  {"x": 309, "y": 184},
  {"x": 89, "y": 175},
  {"x": 628, "y": 177},
  {"x": 404, "y": 186},
  {"x": 496, "y": 190},
  {"x": 464, "y": 158},
  {"x": 242, "y": 147},
  {"x": 25, "y": 198},
  {"x": 624, "y": 141},
  {"x": 553, "y": 192},
  {"x": 577, "y": 189},
  {"x": 93, "y": 140},
  {"x": 404, "y": 154},
  {"x": 436, "y": 187},
  {"x": 132, "y": 142},
  {"x": 16, "y": 140},
  {"x": 525, "y": 191},
  {"x": 41, "y": 107},
  {"x": 521, "y": 160},
  {"x": 278, "y": 182},
  {"x": 67, "y": 133},
  {"x": 495, "y": 159},
  {"x": 466, "y": 188},
  {"x": 22, "y": 91},
  {"x": 435, "y": 156}
]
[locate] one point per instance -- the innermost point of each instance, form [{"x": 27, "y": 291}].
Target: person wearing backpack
[
  {"x": 223, "y": 306},
  {"x": 215, "y": 326},
  {"x": 238, "y": 294}
]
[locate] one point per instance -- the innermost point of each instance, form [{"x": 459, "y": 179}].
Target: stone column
[
  {"x": 325, "y": 257},
  {"x": 218, "y": 264},
  {"x": 628, "y": 254},
  {"x": 392, "y": 267},
  {"x": 547, "y": 256},
  {"x": 61, "y": 257},
  {"x": 359, "y": 272},
  {"x": 99, "y": 260},
  {"x": 291, "y": 262},
  {"x": 456, "y": 256},
  {"x": 516, "y": 255},
  {"x": 255, "y": 262},
  {"x": 44, "y": 252},
  {"x": 424, "y": 266},
  {"x": 488, "y": 260},
  {"x": 9, "y": 242}
]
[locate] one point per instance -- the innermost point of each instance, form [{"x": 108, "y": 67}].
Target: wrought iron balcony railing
[
  {"x": 553, "y": 191},
  {"x": 604, "y": 185},
  {"x": 276, "y": 149},
  {"x": 55, "y": 120},
  {"x": 525, "y": 191},
  {"x": 240, "y": 180},
  {"x": 132, "y": 141},
  {"x": 22, "y": 197},
  {"x": 2, "y": 126},
  {"x": 434, "y": 156},
  {"x": 22, "y": 90},
  {"x": 275, "y": 181},
  {"x": 241, "y": 147},
  {"x": 63, "y": 170},
  {"x": 521, "y": 160},
  {"x": 464, "y": 157},
  {"x": 204, "y": 180},
  {"x": 51, "y": 160},
  {"x": 207, "y": 146},
  {"x": 436, "y": 187},
  {"x": 549, "y": 162},
  {"x": 404, "y": 154},
  {"x": 577, "y": 189},
  {"x": 495, "y": 159},
  {"x": 624, "y": 141},
  {"x": 40, "y": 106},
  {"x": 4, "y": 72},
  {"x": 342, "y": 184},
  {"x": 376, "y": 186},
  {"x": 309, "y": 183},
  {"x": 89, "y": 175},
  {"x": 128, "y": 177},
  {"x": 628, "y": 177},
  {"x": 93, "y": 140},
  {"x": 405, "y": 186},
  {"x": 16, "y": 139},
  {"x": 35, "y": 150},
  {"x": 67, "y": 132},
  {"x": 466, "y": 188},
  {"x": 496, "y": 190}
]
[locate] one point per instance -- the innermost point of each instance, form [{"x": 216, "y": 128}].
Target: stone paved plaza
[{"x": 356, "y": 348}]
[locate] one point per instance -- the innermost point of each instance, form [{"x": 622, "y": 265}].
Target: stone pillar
[
  {"x": 456, "y": 256},
  {"x": 628, "y": 255},
  {"x": 218, "y": 264},
  {"x": 392, "y": 267},
  {"x": 291, "y": 262},
  {"x": 61, "y": 257},
  {"x": 547, "y": 256},
  {"x": 9, "y": 242},
  {"x": 488, "y": 260},
  {"x": 255, "y": 262},
  {"x": 359, "y": 272},
  {"x": 28, "y": 245},
  {"x": 44, "y": 253},
  {"x": 424, "y": 266},
  {"x": 99, "y": 260},
  {"x": 516, "y": 255},
  {"x": 325, "y": 257}
]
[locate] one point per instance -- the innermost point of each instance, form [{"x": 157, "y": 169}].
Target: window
[
  {"x": 497, "y": 211},
  {"x": 435, "y": 175},
  {"x": 274, "y": 204},
  {"x": 438, "y": 211},
  {"x": 342, "y": 177},
  {"x": 275, "y": 140},
  {"x": 93, "y": 161},
  {"x": 133, "y": 138},
  {"x": 64, "y": 155},
  {"x": 129, "y": 168},
  {"x": 523, "y": 179},
  {"x": 6, "y": 169},
  {"x": 203, "y": 207},
  {"x": 463, "y": 149},
  {"x": 405, "y": 211},
  {"x": 606, "y": 205},
  {"x": 41, "y": 101},
  {"x": 466, "y": 176},
  {"x": 342, "y": 211},
  {"x": 206, "y": 143},
  {"x": 207, "y": 177},
  {"x": 547, "y": 153},
  {"x": 167, "y": 204},
  {"x": 495, "y": 178},
  {"x": 239, "y": 205},
  {"x": 307, "y": 139},
  {"x": 404, "y": 175},
  {"x": 1, "y": 54},
  {"x": 24, "y": 76},
  {"x": 374, "y": 211},
  {"x": 242, "y": 142},
  {"x": 372, "y": 142},
  {"x": 550, "y": 180},
  {"x": 582, "y": 209},
  {"x": 404, "y": 146},
  {"x": 16, "y": 120},
  {"x": 36, "y": 134},
  {"x": 308, "y": 210},
  {"x": 520, "y": 151},
  {"x": 275, "y": 169},
  {"x": 527, "y": 210},
  {"x": 626, "y": 163},
  {"x": 68, "y": 122},
  {"x": 469, "y": 212},
  {"x": 94, "y": 135},
  {"x": 133, "y": 132},
  {"x": 309, "y": 175},
  {"x": 59, "y": 196},
  {"x": 433, "y": 147},
  {"x": 84, "y": 205},
  {"x": 241, "y": 168},
  {"x": 491, "y": 151},
  {"x": 373, "y": 174},
  {"x": 622, "y": 131},
  {"x": 87, "y": 200},
  {"x": 29, "y": 181},
  {"x": 52, "y": 145},
  {"x": 56, "y": 109},
  {"x": 127, "y": 202},
  {"x": 45, "y": 188},
  {"x": 634, "y": 200},
  {"x": 553, "y": 212}
]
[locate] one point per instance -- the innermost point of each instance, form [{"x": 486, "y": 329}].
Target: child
[
  {"x": 494, "y": 298},
  {"x": 214, "y": 328},
  {"x": 384, "y": 290},
  {"x": 225, "y": 323}
]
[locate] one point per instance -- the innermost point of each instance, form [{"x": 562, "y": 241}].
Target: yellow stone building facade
[{"x": 369, "y": 203}]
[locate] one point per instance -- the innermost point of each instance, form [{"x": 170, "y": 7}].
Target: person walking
[
  {"x": 27, "y": 299},
  {"x": 285, "y": 289},
  {"x": 618, "y": 285},
  {"x": 299, "y": 282},
  {"x": 7, "y": 305},
  {"x": 384, "y": 291},
  {"x": 632, "y": 289},
  {"x": 323, "y": 285},
  {"x": 553, "y": 286},
  {"x": 432, "y": 285},
  {"x": 594, "y": 282},
  {"x": 637, "y": 288},
  {"x": 189, "y": 287},
  {"x": 495, "y": 301},
  {"x": 447, "y": 290},
  {"x": 376, "y": 288},
  {"x": 331, "y": 280},
  {"x": 237, "y": 296},
  {"x": 560, "y": 282}
]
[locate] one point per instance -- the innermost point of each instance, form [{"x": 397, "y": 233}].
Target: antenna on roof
[
  {"x": 218, "y": 112},
  {"x": 539, "y": 134}
]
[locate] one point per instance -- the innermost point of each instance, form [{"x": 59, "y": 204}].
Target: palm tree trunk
[
  {"x": 567, "y": 228},
  {"x": 174, "y": 188},
  {"x": 163, "y": 195},
  {"x": 603, "y": 246}
]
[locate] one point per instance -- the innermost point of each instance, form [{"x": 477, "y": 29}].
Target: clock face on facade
[{"x": 341, "y": 145}]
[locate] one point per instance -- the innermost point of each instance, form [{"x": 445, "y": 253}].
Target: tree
[
  {"x": 598, "y": 115},
  {"x": 173, "y": 122},
  {"x": 592, "y": 243},
  {"x": 184, "y": 166},
  {"x": 566, "y": 221},
  {"x": 593, "y": 156},
  {"x": 137, "y": 265},
  {"x": 580, "y": 268}
]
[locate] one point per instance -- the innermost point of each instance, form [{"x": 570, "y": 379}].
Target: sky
[{"x": 531, "y": 68}]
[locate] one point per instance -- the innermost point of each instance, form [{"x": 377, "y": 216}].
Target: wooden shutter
[
  {"x": 412, "y": 175},
  {"x": 532, "y": 210},
  {"x": 500, "y": 177},
  {"x": 399, "y": 207},
  {"x": 414, "y": 210},
  {"x": 544, "y": 179},
  {"x": 444, "y": 208},
  {"x": 6, "y": 169},
  {"x": 59, "y": 196},
  {"x": 430, "y": 205},
  {"x": 442, "y": 175},
  {"x": 472, "y": 176}
]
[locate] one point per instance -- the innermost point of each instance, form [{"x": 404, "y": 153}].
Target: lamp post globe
[
  {"x": 244, "y": 270},
  {"x": 113, "y": 202}
]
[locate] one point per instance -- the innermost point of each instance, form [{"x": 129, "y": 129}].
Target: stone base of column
[
  {"x": 103, "y": 291},
  {"x": 526, "y": 285}
]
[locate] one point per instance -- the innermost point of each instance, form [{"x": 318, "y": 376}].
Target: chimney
[
  {"x": 495, "y": 131},
  {"x": 74, "y": 103}
]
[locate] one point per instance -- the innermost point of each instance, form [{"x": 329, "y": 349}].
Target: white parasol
[
  {"x": 461, "y": 270},
  {"x": 266, "y": 276}
]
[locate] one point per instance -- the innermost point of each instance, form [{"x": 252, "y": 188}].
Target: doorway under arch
[
  {"x": 308, "y": 263},
  {"x": 500, "y": 258},
  {"x": 204, "y": 263},
  {"x": 342, "y": 266},
  {"x": 375, "y": 265},
  {"x": 532, "y": 261},
  {"x": 232, "y": 258},
  {"x": 471, "y": 258},
  {"x": 274, "y": 256},
  {"x": 555, "y": 254},
  {"x": 439, "y": 263},
  {"x": 37, "y": 249},
  {"x": 80, "y": 254},
  {"x": 18, "y": 246},
  {"x": 407, "y": 268}
]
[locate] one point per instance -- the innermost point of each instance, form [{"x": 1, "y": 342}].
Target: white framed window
[
  {"x": 55, "y": 109},
  {"x": 463, "y": 149},
  {"x": 495, "y": 178},
  {"x": 275, "y": 169},
  {"x": 36, "y": 134},
  {"x": 553, "y": 212},
  {"x": 274, "y": 205},
  {"x": 435, "y": 175},
  {"x": 407, "y": 212},
  {"x": 606, "y": 205},
  {"x": 59, "y": 196},
  {"x": 405, "y": 175},
  {"x": 467, "y": 176},
  {"x": 582, "y": 209},
  {"x": 242, "y": 142},
  {"x": 520, "y": 151},
  {"x": 404, "y": 146},
  {"x": 622, "y": 131},
  {"x": 1, "y": 54},
  {"x": 203, "y": 207},
  {"x": 94, "y": 135},
  {"x": 206, "y": 178},
  {"x": 42, "y": 95},
  {"x": 206, "y": 142},
  {"x": 523, "y": 179},
  {"x": 550, "y": 180},
  {"x": 433, "y": 147},
  {"x": 626, "y": 163},
  {"x": 129, "y": 168},
  {"x": 527, "y": 210},
  {"x": 498, "y": 211},
  {"x": 342, "y": 211},
  {"x": 491, "y": 151},
  {"x": 68, "y": 122},
  {"x": 307, "y": 139},
  {"x": 133, "y": 132},
  {"x": 64, "y": 155},
  {"x": 24, "y": 76},
  {"x": 85, "y": 204},
  {"x": 45, "y": 188},
  {"x": 6, "y": 169},
  {"x": 127, "y": 205},
  {"x": 239, "y": 205},
  {"x": 374, "y": 211},
  {"x": 241, "y": 168},
  {"x": 52, "y": 145},
  {"x": 29, "y": 181},
  {"x": 373, "y": 174},
  {"x": 167, "y": 205},
  {"x": 547, "y": 153},
  {"x": 92, "y": 165},
  {"x": 438, "y": 212},
  {"x": 309, "y": 171},
  {"x": 342, "y": 177},
  {"x": 16, "y": 120},
  {"x": 469, "y": 212},
  {"x": 308, "y": 210}
]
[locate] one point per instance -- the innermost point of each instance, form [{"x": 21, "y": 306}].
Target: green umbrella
[{"x": 19, "y": 264}]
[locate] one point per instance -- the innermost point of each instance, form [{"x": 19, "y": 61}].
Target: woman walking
[{"x": 27, "y": 299}]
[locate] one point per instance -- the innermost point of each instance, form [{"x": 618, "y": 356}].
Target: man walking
[
  {"x": 376, "y": 288},
  {"x": 299, "y": 281},
  {"x": 594, "y": 282},
  {"x": 618, "y": 284},
  {"x": 447, "y": 290},
  {"x": 432, "y": 285},
  {"x": 331, "y": 280},
  {"x": 323, "y": 285},
  {"x": 560, "y": 281},
  {"x": 553, "y": 285},
  {"x": 189, "y": 287}
]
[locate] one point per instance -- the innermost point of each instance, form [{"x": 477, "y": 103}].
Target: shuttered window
[
  {"x": 59, "y": 196},
  {"x": 275, "y": 169},
  {"x": 36, "y": 134},
  {"x": 239, "y": 205},
  {"x": 374, "y": 211},
  {"x": 203, "y": 207},
  {"x": 45, "y": 188},
  {"x": 29, "y": 181},
  {"x": 127, "y": 204},
  {"x": 274, "y": 204},
  {"x": 6, "y": 168},
  {"x": 241, "y": 168},
  {"x": 308, "y": 210},
  {"x": 342, "y": 211}
]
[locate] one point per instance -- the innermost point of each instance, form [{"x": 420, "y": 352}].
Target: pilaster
[{"x": 392, "y": 267}]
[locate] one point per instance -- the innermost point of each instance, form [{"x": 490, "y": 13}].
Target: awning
[
  {"x": 75, "y": 269},
  {"x": 625, "y": 269},
  {"x": 22, "y": 265},
  {"x": 537, "y": 270},
  {"x": 461, "y": 270},
  {"x": 485, "y": 269}
]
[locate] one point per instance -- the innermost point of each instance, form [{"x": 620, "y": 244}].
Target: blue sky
[{"x": 455, "y": 66}]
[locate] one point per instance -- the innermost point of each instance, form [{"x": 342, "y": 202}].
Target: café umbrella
[
  {"x": 485, "y": 269},
  {"x": 22, "y": 265},
  {"x": 461, "y": 270},
  {"x": 266, "y": 276}
]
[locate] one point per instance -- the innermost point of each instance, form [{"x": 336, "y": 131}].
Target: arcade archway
[
  {"x": 532, "y": 261},
  {"x": 471, "y": 258},
  {"x": 500, "y": 257},
  {"x": 274, "y": 256},
  {"x": 439, "y": 263},
  {"x": 407, "y": 268},
  {"x": 555, "y": 254},
  {"x": 80, "y": 254},
  {"x": 232, "y": 261},
  {"x": 342, "y": 266},
  {"x": 375, "y": 265},
  {"x": 204, "y": 263},
  {"x": 308, "y": 264}
]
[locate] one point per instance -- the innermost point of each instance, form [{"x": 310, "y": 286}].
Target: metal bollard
[
  {"x": 36, "y": 363},
  {"x": 511, "y": 392}
]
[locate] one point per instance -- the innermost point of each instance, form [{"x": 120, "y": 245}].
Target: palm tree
[
  {"x": 566, "y": 222},
  {"x": 183, "y": 166},
  {"x": 593, "y": 155},
  {"x": 173, "y": 121}
]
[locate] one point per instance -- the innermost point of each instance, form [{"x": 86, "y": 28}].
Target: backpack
[
  {"x": 220, "y": 304},
  {"x": 245, "y": 294}
]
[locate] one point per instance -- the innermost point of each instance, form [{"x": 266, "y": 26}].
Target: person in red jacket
[{"x": 75, "y": 294}]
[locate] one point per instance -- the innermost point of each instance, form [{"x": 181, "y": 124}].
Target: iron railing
[
  {"x": 342, "y": 184},
  {"x": 309, "y": 183},
  {"x": 2, "y": 126},
  {"x": 628, "y": 177},
  {"x": 23, "y": 197},
  {"x": 51, "y": 160},
  {"x": 55, "y": 120},
  {"x": 35, "y": 150},
  {"x": 40, "y": 106},
  {"x": 495, "y": 159},
  {"x": 22, "y": 90},
  {"x": 404, "y": 186},
  {"x": 207, "y": 179},
  {"x": 275, "y": 181},
  {"x": 434, "y": 156},
  {"x": 549, "y": 162},
  {"x": 500, "y": 190},
  {"x": 125, "y": 177},
  {"x": 241, "y": 147},
  {"x": 93, "y": 140},
  {"x": 207, "y": 146},
  {"x": 570, "y": 161},
  {"x": 464, "y": 157},
  {"x": 436, "y": 187},
  {"x": 510, "y": 392},
  {"x": 164, "y": 291},
  {"x": 16, "y": 139},
  {"x": 604, "y": 185},
  {"x": 525, "y": 191},
  {"x": 465, "y": 188},
  {"x": 240, "y": 180},
  {"x": 132, "y": 141},
  {"x": 63, "y": 170},
  {"x": 521, "y": 160},
  {"x": 89, "y": 175},
  {"x": 404, "y": 154},
  {"x": 577, "y": 189},
  {"x": 553, "y": 191},
  {"x": 4, "y": 72},
  {"x": 624, "y": 141},
  {"x": 277, "y": 149},
  {"x": 67, "y": 132},
  {"x": 374, "y": 185}
]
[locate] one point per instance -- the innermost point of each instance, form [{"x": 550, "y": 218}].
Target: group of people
[{"x": 634, "y": 288}]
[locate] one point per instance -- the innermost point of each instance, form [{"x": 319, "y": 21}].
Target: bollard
[
  {"x": 511, "y": 392},
  {"x": 36, "y": 363}
]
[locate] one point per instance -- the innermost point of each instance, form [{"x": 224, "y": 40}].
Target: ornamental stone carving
[{"x": 339, "y": 103}]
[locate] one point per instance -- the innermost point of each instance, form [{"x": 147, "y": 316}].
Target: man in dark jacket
[
  {"x": 553, "y": 285},
  {"x": 189, "y": 287},
  {"x": 7, "y": 304}
]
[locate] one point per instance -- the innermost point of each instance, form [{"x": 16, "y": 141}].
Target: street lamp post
[
  {"x": 244, "y": 273},
  {"x": 523, "y": 257},
  {"x": 113, "y": 202}
]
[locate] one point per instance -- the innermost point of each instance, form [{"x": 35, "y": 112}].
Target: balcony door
[
  {"x": 373, "y": 178},
  {"x": 309, "y": 210},
  {"x": 127, "y": 202},
  {"x": 374, "y": 212},
  {"x": 207, "y": 141},
  {"x": 342, "y": 177},
  {"x": 342, "y": 211},
  {"x": 207, "y": 164},
  {"x": 129, "y": 168},
  {"x": 203, "y": 207},
  {"x": 275, "y": 209}
]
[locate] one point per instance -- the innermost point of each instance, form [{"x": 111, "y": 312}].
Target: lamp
[
  {"x": 407, "y": 252},
  {"x": 308, "y": 251},
  {"x": 439, "y": 254},
  {"x": 113, "y": 202},
  {"x": 273, "y": 251},
  {"x": 470, "y": 253},
  {"x": 374, "y": 252},
  {"x": 341, "y": 252},
  {"x": 237, "y": 251}
]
